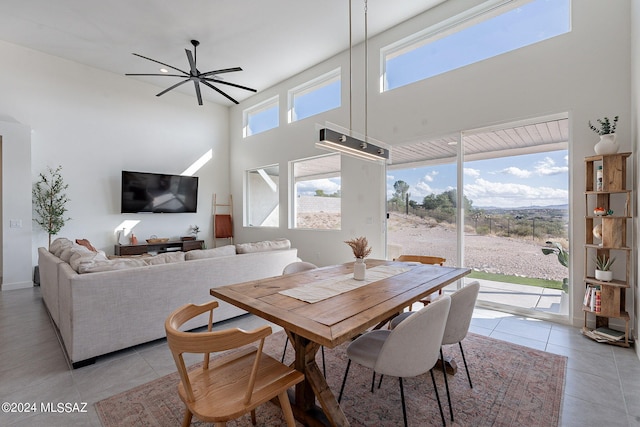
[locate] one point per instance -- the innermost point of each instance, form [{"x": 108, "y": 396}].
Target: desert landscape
[{"x": 489, "y": 253}]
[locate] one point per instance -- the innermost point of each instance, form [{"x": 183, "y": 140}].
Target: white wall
[
  {"x": 95, "y": 124},
  {"x": 585, "y": 73}
]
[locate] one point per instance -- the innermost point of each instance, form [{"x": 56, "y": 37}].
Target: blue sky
[{"x": 516, "y": 181}]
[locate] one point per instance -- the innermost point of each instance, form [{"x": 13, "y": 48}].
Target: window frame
[
  {"x": 260, "y": 108},
  {"x": 317, "y": 83},
  {"x": 248, "y": 204},
  {"x": 460, "y": 22}
]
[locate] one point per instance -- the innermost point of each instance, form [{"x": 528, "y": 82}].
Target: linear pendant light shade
[{"x": 336, "y": 141}]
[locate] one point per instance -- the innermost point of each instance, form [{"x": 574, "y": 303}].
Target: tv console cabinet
[{"x": 143, "y": 248}]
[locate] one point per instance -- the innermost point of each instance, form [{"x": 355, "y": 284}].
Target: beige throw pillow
[
  {"x": 211, "y": 253},
  {"x": 267, "y": 245}
]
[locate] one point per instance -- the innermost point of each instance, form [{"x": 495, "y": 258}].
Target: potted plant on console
[{"x": 603, "y": 268}]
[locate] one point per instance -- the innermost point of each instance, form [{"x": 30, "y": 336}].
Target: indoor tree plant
[
  {"x": 607, "y": 130},
  {"x": 50, "y": 201},
  {"x": 603, "y": 268}
]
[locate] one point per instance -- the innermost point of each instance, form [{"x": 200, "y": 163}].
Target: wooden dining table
[{"x": 333, "y": 320}]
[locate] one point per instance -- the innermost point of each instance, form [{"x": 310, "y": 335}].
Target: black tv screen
[{"x": 158, "y": 193}]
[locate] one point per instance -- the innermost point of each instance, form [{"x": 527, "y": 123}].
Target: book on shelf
[
  {"x": 609, "y": 334},
  {"x": 598, "y": 304}
]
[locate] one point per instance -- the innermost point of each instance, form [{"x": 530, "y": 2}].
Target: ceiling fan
[{"x": 207, "y": 79}]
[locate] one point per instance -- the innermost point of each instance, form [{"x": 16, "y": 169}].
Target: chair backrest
[
  {"x": 423, "y": 259},
  {"x": 296, "y": 267},
  {"x": 208, "y": 342},
  {"x": 463, "y": 302},
  {"x": 413, "y": 347}
]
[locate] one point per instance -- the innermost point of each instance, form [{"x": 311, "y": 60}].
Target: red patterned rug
[{"x": 512, "y": 386}]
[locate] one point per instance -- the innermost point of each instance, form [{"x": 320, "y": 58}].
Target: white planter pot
[
  {"x": 604, "y": 276},
  {"x": 607, "y": 144},
  {"x": 359, "y": 269}
]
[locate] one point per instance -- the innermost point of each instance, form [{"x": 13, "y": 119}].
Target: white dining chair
[
  {"x": 463, "y": 302},
  {"x": 409, "y": 350}
]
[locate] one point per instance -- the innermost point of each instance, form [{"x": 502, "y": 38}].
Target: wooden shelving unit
[{"x": 613, "y": 196}]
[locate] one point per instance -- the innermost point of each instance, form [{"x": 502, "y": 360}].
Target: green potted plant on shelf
[
  {"x": 603, "y": 268},
  {"x": 50, "y": 201},
  {"x": 607, "y": 130}
]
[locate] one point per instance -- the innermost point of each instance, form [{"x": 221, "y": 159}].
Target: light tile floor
[{"x": 602, "y": 383}]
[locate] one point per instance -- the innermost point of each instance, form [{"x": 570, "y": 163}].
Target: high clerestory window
[
  {"x": 494, "y": 28},
  {"x": 261, "y": 117},
  {"x": 315, "y": 96}
]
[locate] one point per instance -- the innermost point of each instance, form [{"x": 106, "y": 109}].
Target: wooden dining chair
[
  {"x": 463, "y": 301},
  {"x": 297, "y": 267},
  {"x": 423, "y": 259},
  {"x": 409, "y": 350},
  {"x": 232, "y": 384}
]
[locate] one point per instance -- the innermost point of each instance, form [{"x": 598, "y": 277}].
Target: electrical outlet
[{"x": 15, "y": 223}]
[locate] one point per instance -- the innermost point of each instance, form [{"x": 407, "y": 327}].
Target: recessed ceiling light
[{"x": 164, "y": 70}]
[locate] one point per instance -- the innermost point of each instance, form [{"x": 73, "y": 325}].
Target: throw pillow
[
  {"x": 110, "y": 265},
  {"x": 86, "y": 244},
  {"x": 58, "y": 245},
  {"x": 267, "y": 245},
  {"x": 211, "y": 253}
]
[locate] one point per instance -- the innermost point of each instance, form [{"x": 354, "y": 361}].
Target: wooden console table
[{"x": 143, "y": 248}]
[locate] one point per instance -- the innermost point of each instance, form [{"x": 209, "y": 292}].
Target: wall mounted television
[{"x": 158, "y": 193}]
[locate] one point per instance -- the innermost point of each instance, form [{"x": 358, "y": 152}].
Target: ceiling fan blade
[
  {"x": 192, "y": 63},
  {"x": 162, "y": 74},
  {"x": 173, "y": 87},
  {"x": 162, "y": 63},
  {"x": 231, "y": 84},
  {"x": 222, "y": 71},
  {"x": 204, "y": 82},
  {"x": 198, "y": 94}
]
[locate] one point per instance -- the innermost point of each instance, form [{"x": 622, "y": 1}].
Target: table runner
[{"x": 328, "y": 288}]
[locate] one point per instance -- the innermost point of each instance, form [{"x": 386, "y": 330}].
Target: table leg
[{"x": 314, "y": 387}]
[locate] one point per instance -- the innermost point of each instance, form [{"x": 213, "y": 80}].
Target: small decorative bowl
[
  {"x": 158, "y": 240},
  {"x": 599, "y": 212}
]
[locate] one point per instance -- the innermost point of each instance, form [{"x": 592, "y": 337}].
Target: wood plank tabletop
[{"x": 334, "y": 320}]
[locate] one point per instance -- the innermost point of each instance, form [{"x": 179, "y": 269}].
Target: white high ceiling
[{"x": 270, "y": 39}]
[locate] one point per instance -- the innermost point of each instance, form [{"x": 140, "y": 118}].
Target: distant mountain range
[{"x": 523, "y": 208}]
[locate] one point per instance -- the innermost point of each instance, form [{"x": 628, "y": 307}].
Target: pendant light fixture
[{"x": 339, "y": 140}]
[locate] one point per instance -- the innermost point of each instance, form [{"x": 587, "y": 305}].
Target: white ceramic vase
[
  {"x": 359, "y": 269},
  {"x": 604, "y": 276},
  {"x": 607, "y": 144}
]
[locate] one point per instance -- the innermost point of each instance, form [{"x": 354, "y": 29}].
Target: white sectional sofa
[{"x": 101, "y": 305}]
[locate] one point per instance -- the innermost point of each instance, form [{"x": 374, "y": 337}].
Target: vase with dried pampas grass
[{"x": 361, "y": 250}]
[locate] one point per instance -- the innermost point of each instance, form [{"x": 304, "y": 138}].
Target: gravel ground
[{"x": 504, "y": 255}]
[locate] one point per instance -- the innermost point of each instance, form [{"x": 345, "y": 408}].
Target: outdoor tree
[
  {"x": 49, "y": 201},
  {"x": 401, "y": 189}
]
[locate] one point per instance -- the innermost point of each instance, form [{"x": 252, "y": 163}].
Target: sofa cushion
[
  {"x": 211, "y": 253},
  {"x": 86, "y": 258},
  {"x": 266, "y": 245},
  {"x": 110, "y": 265},
  {"x": 165, "y": 258},
  {"x": 58, "y": 245}
]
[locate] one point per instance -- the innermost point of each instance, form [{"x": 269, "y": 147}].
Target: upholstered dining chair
[
  {"x": 423, "y": 259},
  {"x": 409, "y": 350},
  {"x": 463, "y": 302},
  {"x": 233, "y": 384},
  {"x": 297, "y": 267}
]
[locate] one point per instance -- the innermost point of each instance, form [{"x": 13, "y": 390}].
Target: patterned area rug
[{"x": 512, "y": 386}]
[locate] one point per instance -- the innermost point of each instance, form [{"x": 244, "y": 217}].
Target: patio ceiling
[{"x": 522, "y": 139}]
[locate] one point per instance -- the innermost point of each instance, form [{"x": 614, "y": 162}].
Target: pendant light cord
[{"x": 366, "y": 69}]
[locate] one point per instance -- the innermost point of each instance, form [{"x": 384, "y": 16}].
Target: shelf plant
[
  {"x": 50, "y": 201},
  {"x": 606, "y": 126},
  {"x": 603, "y": 267}
]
